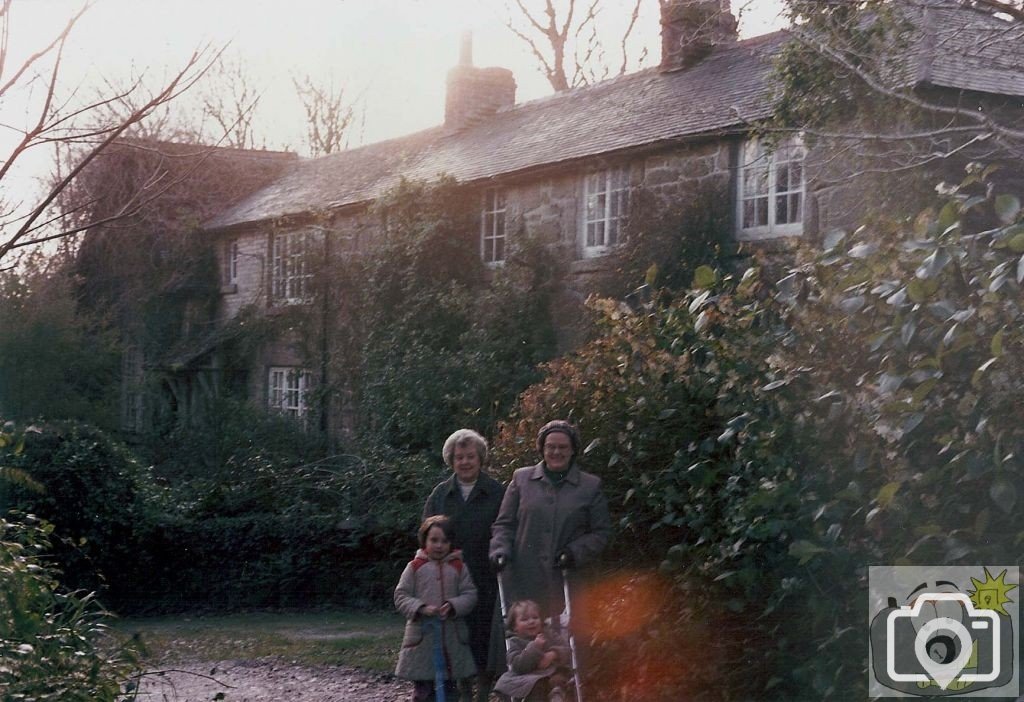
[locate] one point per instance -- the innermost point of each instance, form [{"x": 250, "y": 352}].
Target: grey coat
[
  {"x": 523, "y": 657},
  {"x": 537, "y": 521},
  {"x": 428, "y": 582}
]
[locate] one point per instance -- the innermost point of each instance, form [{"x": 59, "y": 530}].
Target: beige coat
[
  {"x": 537, "y": 521},
  {"x": 429, "y": 582}
]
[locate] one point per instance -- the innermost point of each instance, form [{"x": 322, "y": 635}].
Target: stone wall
[{"x": 549, "y": 207}]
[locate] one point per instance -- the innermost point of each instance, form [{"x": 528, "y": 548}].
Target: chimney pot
[
  {"x": 475, "y": 93},
  {"x": 690, "y": 30},
  {"x": 466, "y": 49}
]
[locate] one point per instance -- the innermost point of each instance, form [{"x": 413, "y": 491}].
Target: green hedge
[{"x": 258, "y": 561}]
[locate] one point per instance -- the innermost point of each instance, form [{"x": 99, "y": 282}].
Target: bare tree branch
[
  {"x": 328, "y": 117},
  {"x": 30, "y": 61},
  {"x": 196, "y": 66},
  {"x": 571, "y": 33}
]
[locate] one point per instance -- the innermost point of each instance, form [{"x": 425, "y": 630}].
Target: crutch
[
  {"x": 564, "y": 563},
  {"x": 499, "y": 565}
]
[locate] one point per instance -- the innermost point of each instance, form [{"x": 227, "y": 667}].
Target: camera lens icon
[{"x": 943, "y": 645}]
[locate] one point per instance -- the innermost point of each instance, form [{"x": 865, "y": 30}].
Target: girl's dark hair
[
  {"x": 438, "y": 520},
  {"x": 513, "y": 612}
]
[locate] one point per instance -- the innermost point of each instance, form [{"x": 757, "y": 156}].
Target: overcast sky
[{"x": 391, "y": 54}]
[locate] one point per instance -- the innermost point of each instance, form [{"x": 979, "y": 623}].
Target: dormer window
[
  {"x": 492, "y": 226},
  {"x": 606, "y": 205},
  {"x": 770, "y": 201}
]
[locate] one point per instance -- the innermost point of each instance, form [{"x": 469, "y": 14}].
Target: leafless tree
[
  {"x": 563, "y": 36},
  {"x": 231, "y": 100},
  {"x": 328, "y": 115},
  {"x": 63, "y": 120}
]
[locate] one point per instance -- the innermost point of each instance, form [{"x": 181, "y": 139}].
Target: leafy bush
[
  {"x": 762, "y": 444},
  {"x": 667, "y": 242},
  {"x": 54, "y": 645},
  {"x": 434, "y": 343},
  {"x": 685, "y": 423},
  {"x": 55, "y": 361},
  {"x": 94, "y": 492},
  {"x": 908, "y": 334}
]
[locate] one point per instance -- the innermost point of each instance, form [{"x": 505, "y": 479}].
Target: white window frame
[
  {"x": 229, "y": 270},
  {"x": 132, "y": 378},
  {"x": 771, "y": 181},
  {"x": 291, "y": 275},
  {"x": 605, "y": 209},
  {"x": 493, "y": 223},
  {"x": 288, "y": 390}
]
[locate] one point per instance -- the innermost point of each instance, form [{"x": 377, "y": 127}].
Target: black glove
[
  {"x": 565, "y": 559},
  {"x": 498, "y": 562}
]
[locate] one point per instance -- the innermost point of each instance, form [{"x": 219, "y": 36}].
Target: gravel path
[{"x": 269, "y": 680}]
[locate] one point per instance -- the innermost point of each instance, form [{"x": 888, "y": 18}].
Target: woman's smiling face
[
  {"x": 557, "y": 451},
  {"x": 466, "y": 463}
]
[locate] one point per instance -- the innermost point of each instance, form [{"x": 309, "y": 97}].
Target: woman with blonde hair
[{"x": 471, "y": 499}]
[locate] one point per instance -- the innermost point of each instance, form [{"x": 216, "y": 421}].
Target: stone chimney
[
  {"x": 474, "y": 94},
  {"x": 690, "y": 30}
]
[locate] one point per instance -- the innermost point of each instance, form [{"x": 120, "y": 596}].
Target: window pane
[
  {"x": 613, "y": 232},
  {"x": 781, "y": 209}
]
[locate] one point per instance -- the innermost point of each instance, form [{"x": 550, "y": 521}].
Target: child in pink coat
[{"x": 434, "y": 594}]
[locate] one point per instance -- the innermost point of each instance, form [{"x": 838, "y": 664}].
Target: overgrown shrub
[
  {"x": 908, "y": 334},
  {"x": 56, "y": 361},
  {"x": 666, "y": 242},
  {"x": 434, "y": 344},
  {"x": 683, "y": 420},
  {"x": 761, "y": 445},
  {"x": 93, "y": 491},
  {"x": 54, "y": 644}
]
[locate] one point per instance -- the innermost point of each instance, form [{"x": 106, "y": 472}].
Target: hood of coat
[{"x": 454, "y": 556}]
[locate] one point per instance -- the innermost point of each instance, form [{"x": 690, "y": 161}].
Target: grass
[{"x": 362, "y": 639}]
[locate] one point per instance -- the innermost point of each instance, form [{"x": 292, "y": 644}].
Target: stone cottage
[{"x": 562, "y": 168}]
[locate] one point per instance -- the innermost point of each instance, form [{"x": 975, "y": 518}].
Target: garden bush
[
  {"x": 762, "y": 444},
  {"x": 683, "y": 420},
  {"x": 54, "y": 643},
  {"x": 94, "y": 492},
  {"x": 435, "y": 340}
]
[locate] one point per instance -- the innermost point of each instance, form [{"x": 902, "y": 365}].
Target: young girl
[
  {"x": 537, "y": 657},
  {"x": 434, "y": 594}
]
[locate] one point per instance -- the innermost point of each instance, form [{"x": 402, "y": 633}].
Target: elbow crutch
[
  {"x": 568, "y": 627},
  {"x": 499, "y": 567}
]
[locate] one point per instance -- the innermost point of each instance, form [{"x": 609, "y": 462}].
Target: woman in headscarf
[{"x": 553, "y": 516}]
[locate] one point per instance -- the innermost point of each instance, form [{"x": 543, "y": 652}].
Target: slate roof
[
  {"x": 721, "y": 94},
  {"x": 969, "y": 49}
]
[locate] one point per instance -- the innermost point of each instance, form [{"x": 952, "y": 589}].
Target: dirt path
[{"x": 269, "y": 680}]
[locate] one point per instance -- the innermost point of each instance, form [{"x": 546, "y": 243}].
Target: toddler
[{"x": 537, "y": 657}]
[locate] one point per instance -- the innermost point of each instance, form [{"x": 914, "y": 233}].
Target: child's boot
[
  {"x": 466, "y": 690},
  {"x": 483, "y": 687},
  {"x": 557, "y": 694}
]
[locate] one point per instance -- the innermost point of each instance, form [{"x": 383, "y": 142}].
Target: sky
[{"x": 391, "y": 56}]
